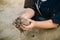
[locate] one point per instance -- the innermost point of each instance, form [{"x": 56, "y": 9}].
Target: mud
[{"x": 9, "y": 32}]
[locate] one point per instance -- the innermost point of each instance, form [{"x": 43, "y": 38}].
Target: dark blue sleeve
[
  {"x": 56, "y": 18},
  {"x": 29, "y": 4},
  {"x": 56, "y": 11}
]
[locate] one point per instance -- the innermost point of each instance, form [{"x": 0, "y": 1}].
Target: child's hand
[{"x": 32, "y": 24}]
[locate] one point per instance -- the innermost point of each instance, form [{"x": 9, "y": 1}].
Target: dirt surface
[{"x": 9, "y": 11}]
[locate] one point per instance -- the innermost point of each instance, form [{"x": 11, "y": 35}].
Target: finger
[
  {"x": 24, "y": 28},
  {"x": 28, "y": 27}
]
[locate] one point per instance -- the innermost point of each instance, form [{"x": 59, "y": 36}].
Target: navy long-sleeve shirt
[{"x": 50, "y": 9}]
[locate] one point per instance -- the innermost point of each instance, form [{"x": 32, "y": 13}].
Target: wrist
[{"x": 35, "y": 24}]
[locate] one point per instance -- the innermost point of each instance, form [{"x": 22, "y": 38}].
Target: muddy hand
[{"x": 21, "y": 21}]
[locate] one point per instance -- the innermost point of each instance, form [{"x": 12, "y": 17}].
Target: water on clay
[{"x": 9, "y": 11}]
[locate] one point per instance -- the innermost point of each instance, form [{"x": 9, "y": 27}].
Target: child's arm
[
  {"x": 40, "y": 24},
  {"x": 45, "y": 24},
  {"x": 28, "y": 13}
]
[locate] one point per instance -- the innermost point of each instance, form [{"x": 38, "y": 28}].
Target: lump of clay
[{"x": 20, "y": 22}]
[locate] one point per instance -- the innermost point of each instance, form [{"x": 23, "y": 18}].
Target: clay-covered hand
[{"x": 30, "y": 26}]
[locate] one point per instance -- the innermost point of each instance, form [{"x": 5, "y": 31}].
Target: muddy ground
[{"x": 9, "y": 11}]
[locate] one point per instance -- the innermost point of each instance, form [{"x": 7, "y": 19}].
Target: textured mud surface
[
  {"x": 20, "y": 21},
  {"x": 9, "y": 11}
]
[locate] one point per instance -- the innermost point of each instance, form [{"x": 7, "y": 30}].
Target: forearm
[
  {"x": 28, "y": 13},
  {"x": 45, "y": 24}
]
